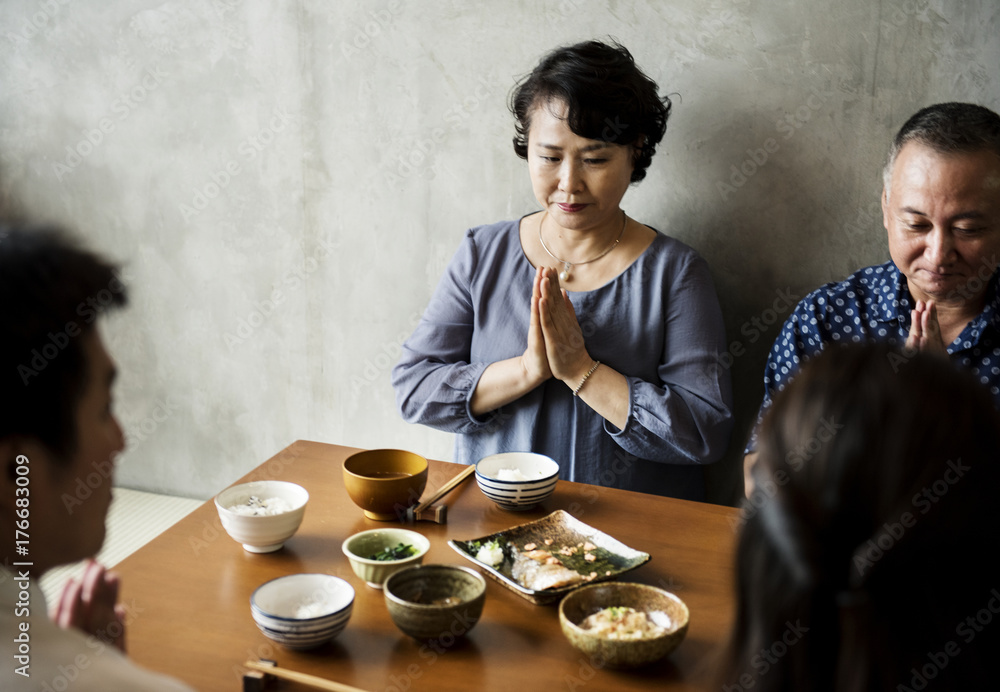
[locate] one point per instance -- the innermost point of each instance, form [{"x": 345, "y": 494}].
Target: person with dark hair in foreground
[
  {"x": 578, "y": 332},
  {"x": 941, "y": 289},
  {"x": 57, "y": 428},
  {"x": 865, "y": 560}
]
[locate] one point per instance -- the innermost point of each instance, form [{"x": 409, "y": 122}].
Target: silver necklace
[{"x": 568, "y": 266}]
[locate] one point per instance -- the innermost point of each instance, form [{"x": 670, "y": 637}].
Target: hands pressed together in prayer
[
  {"x": 556, "y": 346},
  {"x": 925, "y": 330},
  {"x": 90, "y": 604},
  {"x": 924, "y": 336}
]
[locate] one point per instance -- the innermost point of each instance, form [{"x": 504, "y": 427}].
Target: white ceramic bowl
[
  {"x": 360, "y": 546},
  {"x": 263, "y": 533},
  {"x": 302, "y": 611},
  {"x": 540, "y": 471}
]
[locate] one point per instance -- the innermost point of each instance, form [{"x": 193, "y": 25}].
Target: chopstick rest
[{"x": 438, "y": 514}]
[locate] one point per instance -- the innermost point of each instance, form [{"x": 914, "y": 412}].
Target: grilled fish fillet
[{"x": 539, "y": 570}]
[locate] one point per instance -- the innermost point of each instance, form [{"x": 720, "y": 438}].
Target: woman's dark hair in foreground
[
  {"x": 607, "y": 95},
  {"x": 866, "y": 559},
  {"x": 52, "y": 292}
]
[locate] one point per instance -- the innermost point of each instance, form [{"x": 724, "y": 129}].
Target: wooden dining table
[{"x": 187, "y": 592}]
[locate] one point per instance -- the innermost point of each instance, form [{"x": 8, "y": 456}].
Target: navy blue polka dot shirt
[{"x": 874, "y": 304}]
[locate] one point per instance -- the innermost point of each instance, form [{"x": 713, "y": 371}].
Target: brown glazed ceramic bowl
[
  {"x": 384, "y": 482},
  {"x": 660, "y": 605},
  {"x": 435, "y": 601}
]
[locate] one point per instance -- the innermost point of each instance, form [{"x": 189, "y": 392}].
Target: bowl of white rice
[
  {"x": 517, "y": 480},
  {"x": 262, "y": 515},
  {"x": 302, "y": 611}
]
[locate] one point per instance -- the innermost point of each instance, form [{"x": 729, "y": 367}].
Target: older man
[
  {"x": 941, "y": 209},
  {"x": 57, "y": 426}
]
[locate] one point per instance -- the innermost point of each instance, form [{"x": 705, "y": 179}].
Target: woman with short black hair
[{"x": 576, "y": 331}]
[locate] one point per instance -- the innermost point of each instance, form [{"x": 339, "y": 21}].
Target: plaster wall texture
[{"x": 286, "y": 181}]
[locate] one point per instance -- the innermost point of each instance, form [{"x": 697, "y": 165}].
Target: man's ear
[
  {"x": 18, "y": 451},
  {"x": 9, "y": 450},
  {"x": 8, "y": 460}
]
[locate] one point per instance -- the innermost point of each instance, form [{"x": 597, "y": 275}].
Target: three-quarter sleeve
[
  {"x": 685, "y": 416},
  {"x": 434, "y": 378},
  {"x": 658, "y": 323}
]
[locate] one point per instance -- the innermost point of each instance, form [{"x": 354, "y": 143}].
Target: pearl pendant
[{"x": 564, "y": 275}]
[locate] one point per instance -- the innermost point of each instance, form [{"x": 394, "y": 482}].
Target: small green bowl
[{"x": 360, "y": 546}]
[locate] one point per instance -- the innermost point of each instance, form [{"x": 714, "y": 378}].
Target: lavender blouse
[{"x": 658, "y": 323}]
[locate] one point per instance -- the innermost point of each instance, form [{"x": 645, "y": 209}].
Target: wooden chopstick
[
  {"x": 445, "y": 489},
  {"x": 304, "y": 678}
]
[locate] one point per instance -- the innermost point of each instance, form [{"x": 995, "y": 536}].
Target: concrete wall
[{"x": 285, "y": 181}]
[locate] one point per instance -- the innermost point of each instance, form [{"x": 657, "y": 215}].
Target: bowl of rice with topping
[
  {"x": 517, "y": 480},
  {"x": 626, "y": 625},
  {"x": 262, "y": 515}
]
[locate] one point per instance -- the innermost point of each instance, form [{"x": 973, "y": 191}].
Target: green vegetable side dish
[
  {"x": 615, "y": 612},
  {"x": 400, "y": 552}
]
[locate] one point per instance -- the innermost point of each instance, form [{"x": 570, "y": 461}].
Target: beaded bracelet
[{"x": 589, "y": 373}]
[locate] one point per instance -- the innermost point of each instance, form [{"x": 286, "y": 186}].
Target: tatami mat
[{"x": 134, "y": 519}]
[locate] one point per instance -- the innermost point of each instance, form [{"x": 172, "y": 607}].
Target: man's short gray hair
[{"x": 947, "y": 128}]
